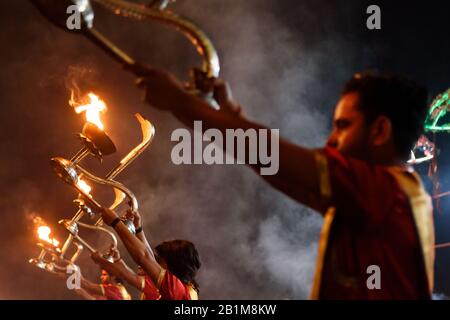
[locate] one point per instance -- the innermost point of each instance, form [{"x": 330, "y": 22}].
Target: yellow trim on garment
[
  {"x": 124, "y": 292},
  {"x": 103, "y": 291},
  {"x": 322, "y": 249},
  {"x": 422, "y": 209},
  {"x": 160, "y": 278},
  {"x": 142, "y": 283},
  {"x": 142, "y": 297},
  {"x": 192, "y": 292},
  {"x": 325, "y": 192}
]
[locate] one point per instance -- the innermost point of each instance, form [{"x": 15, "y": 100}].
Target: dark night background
[{"x": 286, "y": 61}]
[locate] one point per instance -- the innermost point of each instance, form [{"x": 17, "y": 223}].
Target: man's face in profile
[
  {"x": 350, "y": 133},
  {"x": 104, "y": 277}
]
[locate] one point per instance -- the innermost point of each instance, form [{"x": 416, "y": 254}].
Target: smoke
[
  {"x": 254, "y": 242},
  {"x": 79, "y": 80},
  {"x": 440, "y": 296},
  {"x": 267, "y": 242}
]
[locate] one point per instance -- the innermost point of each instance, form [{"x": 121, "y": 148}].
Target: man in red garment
[
  {"x": 179, "y": 260},
  {"x": 377, "y": 215},
  {"x": 167, "y": 285},
  {"x": 110, "y": 288},
  {"x": 167, "y": 274}
]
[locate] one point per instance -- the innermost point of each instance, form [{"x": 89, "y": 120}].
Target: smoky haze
[{"x": 286, "y": 62}]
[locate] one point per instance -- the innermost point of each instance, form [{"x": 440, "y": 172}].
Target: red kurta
[
  {"x": 114, "y": 292},
  {"x": 373, "y": 222},
  {"x": 168, "y": 287}
]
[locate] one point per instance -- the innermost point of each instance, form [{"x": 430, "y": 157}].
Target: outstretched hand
[
  {"x": 64, "y": 274},
  {"x": 224, "y": 97},
  {"x": 99, "y": 259},
  {"x": 134, "y": 216},
  {"x": 114, "y": 253},
  {"x": 164, "y": 91}
]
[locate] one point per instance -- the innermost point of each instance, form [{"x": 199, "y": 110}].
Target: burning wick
[
  {"x": 44, "y": 234},
  {"x": 92, "y": 109}
]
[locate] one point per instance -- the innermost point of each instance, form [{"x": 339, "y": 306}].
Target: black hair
[
  {"x": 399, "y": 98},
  {"x": 182, "y": 260},
  {"x": 113, "y": 277}
]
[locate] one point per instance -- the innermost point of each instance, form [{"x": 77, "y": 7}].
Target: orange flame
[
  {"x": 84, "y": 186},
  {"x": 93, "y": 109},
  {"x": 44, "y": 234}
]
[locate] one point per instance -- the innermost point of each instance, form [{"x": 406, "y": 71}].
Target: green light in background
[{"x": 439, "y": 108}]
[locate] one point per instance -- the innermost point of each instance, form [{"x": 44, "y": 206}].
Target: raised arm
[
  {"x": 119, "y": 269},
  {"x": 84, "y": 294},
  {"x": 90, "y": 287},
  {"x": 85, "y": 286},
  {"x": 140, "y": 234},
  {"x": 298, "y": 174},
  {"x": 138, "y": 250}
]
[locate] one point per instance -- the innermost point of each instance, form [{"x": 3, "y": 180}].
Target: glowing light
[
  {"x": 82, "y": 5},
  {"x": 44, "y": 234},
  {"x": 425, "y": 148},
  {"x": 439, "y": 108},
  {"x": 93, "y": 108},
  {"x": 84, "y": 186}
]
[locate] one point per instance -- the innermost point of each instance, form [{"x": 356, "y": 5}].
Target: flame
[
  {"x": 44, "y": 234},
  {"x": 84, "y": 186},
  {"x": 93, "y": 109}
]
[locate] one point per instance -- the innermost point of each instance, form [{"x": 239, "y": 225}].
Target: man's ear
[{"x": 381, "y": 131}]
